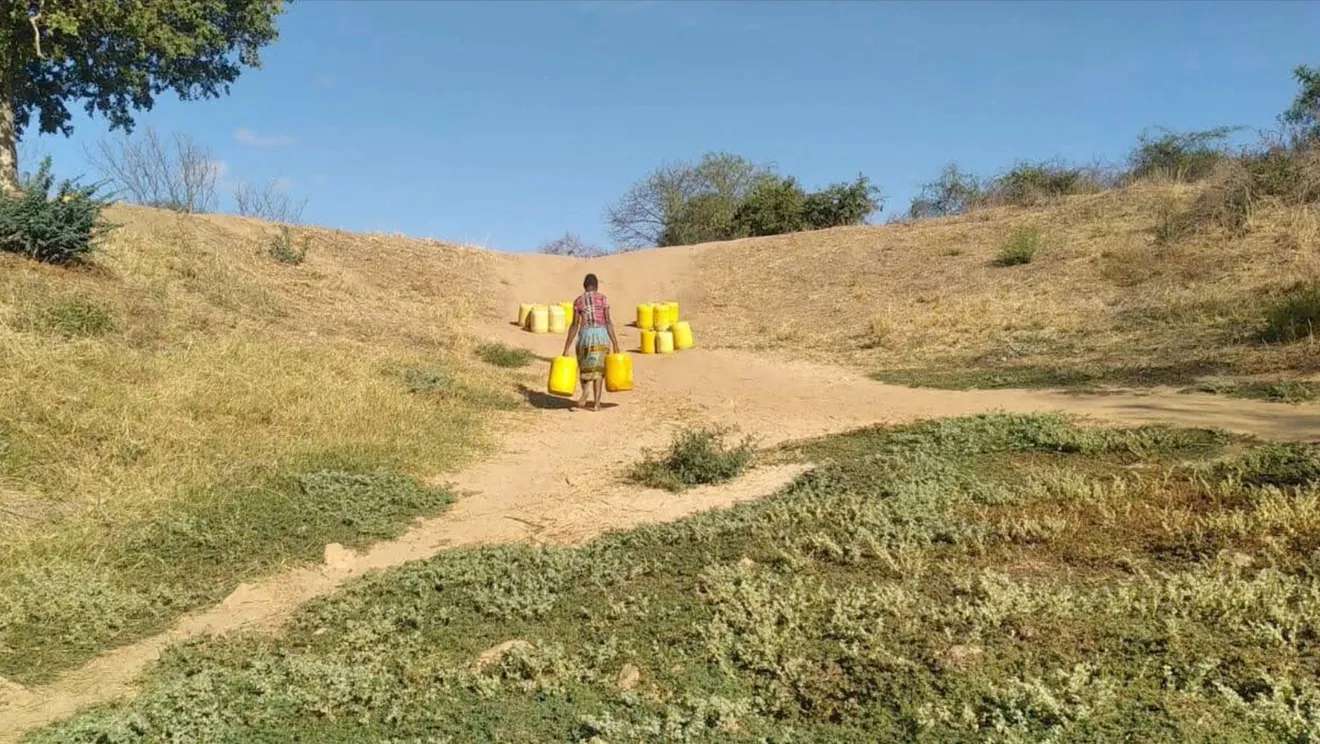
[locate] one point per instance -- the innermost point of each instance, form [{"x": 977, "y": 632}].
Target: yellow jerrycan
[
  {"x": 673, "y": 311},
  {"x": 664, "y": 342},
  {"x": 683, "y": 335},
  {"x": 557, "y": 324},
  {"x": 568, "y": 312},
  {"x": 646, "y": 317},
  {"x": 662, "y": 319},
  {"x": 618, "y": 373},
  {"x": 563, "y": 376},
  {"x": 539, "y": 320},
  {"x": 648, "y": 342},
  {"x": 524, "y": 310}
]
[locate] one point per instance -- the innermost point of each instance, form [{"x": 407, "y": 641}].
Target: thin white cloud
[{"x": 250, "y": 138}]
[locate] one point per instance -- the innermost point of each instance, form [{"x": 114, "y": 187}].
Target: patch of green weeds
[
  {"x": 1286, "y": 391},
  {"x": 500, "y": 355},
  {"x": 94, "y": 590},
  {"x": 74, "y": 318},
  {"x": 440, "y": 382},
  {"x": 696, "y": 457},
  {"x": 1020, "y": 248},
  {"x": 1080, "y": 378},
  {"x": 991, "y": 578}
]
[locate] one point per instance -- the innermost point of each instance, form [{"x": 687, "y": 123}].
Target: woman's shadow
[{"x": 547, "y": 402}]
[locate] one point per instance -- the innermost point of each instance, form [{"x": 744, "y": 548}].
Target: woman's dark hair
[{"x": 591, "y": 284}]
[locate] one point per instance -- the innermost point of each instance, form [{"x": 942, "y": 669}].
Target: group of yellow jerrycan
[
  {"x": 553, "y": 318},
  {"x": 564, "y": 374},
  {"x": 662, "y": 331}
]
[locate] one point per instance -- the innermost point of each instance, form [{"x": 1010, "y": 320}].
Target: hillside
[
  {"x": 187, "y": 419},
  {"x": 1104, "y": 301}
]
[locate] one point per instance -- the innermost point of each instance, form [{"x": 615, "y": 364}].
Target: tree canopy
[
  {"x": 726, "y": 196},
  {"x": 116, "y": 56}
]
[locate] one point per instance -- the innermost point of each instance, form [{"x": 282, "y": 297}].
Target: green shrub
[
  {"x": 59, "y": 227},
  {"x": 954, "y": 192},
  {"x": 1295, "y": 316},
  {"x": 695, "y": 457},
  {"x": 1021, "y": 248},
  {"x": 282, "y": 247},
  {"x": 76, "y": 318},
  {"x": 1029, "y": 184},
  {"x": 775, "y": 206},
  {"x": 1180, "y": 156},
  {"x": 500, "y": 355},
  {"x": 1172, "y": 224},
  {"x": 842, "y": 204},
  {"x": 1281, "y": 465},
  {"x": 1276, "y": 174}
]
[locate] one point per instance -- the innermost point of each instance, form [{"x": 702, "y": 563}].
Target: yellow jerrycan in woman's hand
[
  {"x": 563, "y": 376},
  {"x": 618, "y": 373}
]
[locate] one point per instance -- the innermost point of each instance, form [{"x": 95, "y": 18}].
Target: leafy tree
[
  {"x": 775, "y": 206},
  {"x": 1303, "y": 117},
  {"x": 684, "y": 201},
  {"x": 842, "y": 204},
  {"x": 701, "y": 219},
  {"x": 954, "y": 192},
  {"x": 116, "y": 56}
]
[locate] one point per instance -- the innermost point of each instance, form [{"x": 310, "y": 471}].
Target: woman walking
[{"x": 594, "y": 331}]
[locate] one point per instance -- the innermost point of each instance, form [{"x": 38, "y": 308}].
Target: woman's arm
[
  {"x": 572, "y": 333},
  {"x": 609, "y": 326}
]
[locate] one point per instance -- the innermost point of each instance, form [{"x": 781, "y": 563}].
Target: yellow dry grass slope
[
  {"x": 1103, "y": 294},
  {"x": 186, "y": 385}
]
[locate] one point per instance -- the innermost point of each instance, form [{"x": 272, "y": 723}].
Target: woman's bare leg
[{"x": 599, "y": 384}]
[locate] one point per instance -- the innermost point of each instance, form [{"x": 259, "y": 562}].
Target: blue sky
[{"x": 506, "y": 124}]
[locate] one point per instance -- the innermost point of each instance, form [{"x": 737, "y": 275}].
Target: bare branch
[{"x": 181, "y": 175}]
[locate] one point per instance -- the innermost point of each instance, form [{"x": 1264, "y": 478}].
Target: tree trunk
[{"x": 8, "y": 144}]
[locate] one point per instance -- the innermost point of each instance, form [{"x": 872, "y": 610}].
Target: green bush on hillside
[
  {"x": 1295, "y": 316},
  {"x": 1179, "y": 156},
  {"x": 1029, "y": 184},
  {"x": 1020, "y": 249},
  {"x": 954, "y": 192},
  {"x": 775, "y": 206},
  {"x": 842, "y": 204},
  {"x": 283, "y": 250},
  {"x": 59, "y": 226},
  {"x": 1276, "y": 174}
]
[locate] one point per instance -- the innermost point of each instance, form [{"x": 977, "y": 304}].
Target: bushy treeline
[
  {"x": 725, "y": 196},
  {"x": 1285, "y": 165}
]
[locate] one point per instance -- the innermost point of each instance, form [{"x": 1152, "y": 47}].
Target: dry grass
[
  {"x": 1109, "y": 293},
  {"x": 185, "y": 359}
]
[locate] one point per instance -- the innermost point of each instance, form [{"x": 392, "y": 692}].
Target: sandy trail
[{"x": 556, "y": 476}]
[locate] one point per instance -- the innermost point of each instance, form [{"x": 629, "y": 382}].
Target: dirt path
[{"x": 556, "y": 476}]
